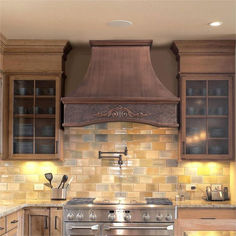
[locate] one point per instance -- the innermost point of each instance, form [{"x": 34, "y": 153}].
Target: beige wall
[{"x": 163, "y": 61}]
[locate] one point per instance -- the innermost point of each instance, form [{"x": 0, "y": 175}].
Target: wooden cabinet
[
  {"x": 43, "y": 222},
  {"x": 12, "y": 225},
  {"x": 36, "y": 222},
  {"x": 34, "y": 117},
  {"x": 206, "y": 87},
  {"x": 207, "y": 117},
  {"x": 56, "y": 222},
  {"x": 31, "y": 99},
  {"x": 195, "y": 219}
]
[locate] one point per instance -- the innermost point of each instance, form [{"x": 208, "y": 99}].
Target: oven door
[
  {"x": 138, "y": 229},
  {"x": 81, "y": 229}
]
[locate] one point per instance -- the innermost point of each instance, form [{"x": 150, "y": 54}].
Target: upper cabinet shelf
[
  {"x": 206, "y": 79},
  {"x": 33, "y": 84}
]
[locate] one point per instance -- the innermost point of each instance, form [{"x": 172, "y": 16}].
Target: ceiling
[{"x": 82, "y": 20}]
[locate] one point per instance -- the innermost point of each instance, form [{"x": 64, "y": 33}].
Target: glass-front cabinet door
[
  {"x": 34, "y": 117},
  {"x": 206, "y": 117}
]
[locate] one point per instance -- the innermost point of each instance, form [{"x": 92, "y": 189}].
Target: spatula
[
  {"x": 49, "y": 177},
  {"x": 63, "y": 180}
]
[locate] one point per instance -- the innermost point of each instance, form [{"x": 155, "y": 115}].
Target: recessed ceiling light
[
  {"x": 120, "y": 23},
  {"x": 216, "y": 23}
]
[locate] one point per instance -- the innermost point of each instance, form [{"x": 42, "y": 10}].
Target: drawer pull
[
  {"x": 55, "y": 222},
  {"x": 14, "y": 221},
  {"x": 46, "y": 222},
  {"x": 208, "y": 218},
  {"x": 1, "y": 228}
]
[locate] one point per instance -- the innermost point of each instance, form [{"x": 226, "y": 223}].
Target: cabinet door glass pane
[
  {"x": 195, "y": 136},
  {"x": 218, "y": 111},
  {"x": 195, "y": 88},
  {"x": 196, "y": 106},
  {"x": 34, "y": 117},
  {"x": 45, "y": 117},
  {"x": 24, "y": 87}
]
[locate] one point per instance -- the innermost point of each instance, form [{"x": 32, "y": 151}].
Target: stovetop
[{"x": 148, "y": 201}]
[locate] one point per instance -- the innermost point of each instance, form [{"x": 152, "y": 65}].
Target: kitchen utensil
[
  {"x": 48, "y": 185},
  {"x": 49, "y": 177},
  {"x": 63, "y": 180},
  {"x": 67, "y": 186},
  {"x": 208, "y": 193},
  {"x": 66, "y": 178},
  {"x": 226, "y": 193}
]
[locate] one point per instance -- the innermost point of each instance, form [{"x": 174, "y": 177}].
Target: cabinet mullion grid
[
  {"x": 34, "y": 123},
  {"x": 207, "y": 116}
]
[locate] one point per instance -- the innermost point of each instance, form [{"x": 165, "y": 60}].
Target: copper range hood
[{"x": 120, "y": 85}]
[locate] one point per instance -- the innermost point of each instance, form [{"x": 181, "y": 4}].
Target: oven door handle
[
  {"x": 169, "y": 227},
  {"x": 93, "y": 227}
]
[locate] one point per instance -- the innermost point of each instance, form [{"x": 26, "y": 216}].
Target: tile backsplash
[{"x": 151, "y": 168}]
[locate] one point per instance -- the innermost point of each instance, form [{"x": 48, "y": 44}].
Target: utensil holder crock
[{"x": 58, "y": 194}]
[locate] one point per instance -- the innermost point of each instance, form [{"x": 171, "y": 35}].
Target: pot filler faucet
[{"x": 120, "y": 161}]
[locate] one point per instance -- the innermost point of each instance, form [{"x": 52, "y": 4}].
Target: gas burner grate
[
  {"x": 159, "y": 201},
  {"x": 79, "y": 201}
]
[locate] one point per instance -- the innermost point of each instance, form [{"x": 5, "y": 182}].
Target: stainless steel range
[{"x": 103, "y": 218}]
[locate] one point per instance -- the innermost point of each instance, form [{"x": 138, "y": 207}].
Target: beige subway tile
[
  {"x": 76, "y": 171},
  {"x": 140, "y": 187},
  {"x": 158, "y": 146},
  {"x": 166, "y": 187},
  {"x": 133, "y": 195},
  {"x": 152, "y": 171},
  {"x": 177, "y": 171},
  {"x": 171, "y": 146},
  {"x": 159, "y": 179},
  {"x": 89, "y": 187},
  {"x": 3, "y": 186},
  {"x": 145, "y": 179},
  {"x": 152, "y": 187},
  {"x": 127, "y": 187},
  {"x": 184, "y": 179},
  {"x": 165, "y": 171},
  {"x": 226, "y": 171},
  {"x": 89, "y": 170},
  {"x": 107, "y": 179},
  {"x": 32, "y": 195},
  {"x": 13, "y": 186}
]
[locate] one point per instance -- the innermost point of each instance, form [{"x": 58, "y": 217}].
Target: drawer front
[
  {"x": 12, "y": 221},
  {"x": 196, "y": 213},
  {"x": 13, "y": 232},
  {"x": 2, "y": 225}
]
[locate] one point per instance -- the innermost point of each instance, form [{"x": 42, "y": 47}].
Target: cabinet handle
[
  {"x": 1, "y": 228},
  {"x": 14, "y": 221},
  {"x": 46, "y": 222},
  {"x": 208, "y": 218},
  {"x": 55, "y": 222}
]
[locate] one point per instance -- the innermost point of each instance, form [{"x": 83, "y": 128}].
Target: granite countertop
[
  {"x": 8, "y": 207},
  {"x": 204, "y": 204}
]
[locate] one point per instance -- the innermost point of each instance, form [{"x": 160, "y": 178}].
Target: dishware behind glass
[
  {"x": 189, "y": 92},
  {"x": 195, "y": 150},
  {"x": 190, "y": 110},
  {"x": 220, "y": 110},
  {"x": 51, "y": 91},
  {"x": 38, "y": 91},
  {"x": 37, "y": 110},
  {"x": 21, "y": 110},
  {"x": 218, "y": 91},
  {"x": 22, "y": 91},
  {"x": 51, "y": 110},
  {"x": 216, "y": 149}
]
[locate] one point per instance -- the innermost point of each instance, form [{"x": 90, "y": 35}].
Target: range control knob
[
  {"x": 127, "y": 216},
  {"x": 111, "y": 216},
  {"x": 79, "y": 216},
  {"x": 70, "y": 216},
  {"x": 146, "y": 217},
  {"x": 159, "y": 217},
  {"x": 92, "y": 216},
  {"x": 169, "y": 217}
]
